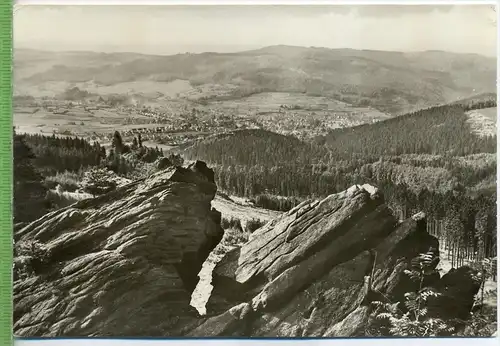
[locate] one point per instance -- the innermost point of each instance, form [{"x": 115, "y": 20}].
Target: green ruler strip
[{"x": 5, "y": 172}]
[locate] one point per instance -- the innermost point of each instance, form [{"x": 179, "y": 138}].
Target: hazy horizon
[
  {"x": 176, "y": 29},
  {"x": 226, "y": 50}
]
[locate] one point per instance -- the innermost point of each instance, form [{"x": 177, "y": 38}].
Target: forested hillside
[
  {"x": 268, "y": 148},
  {"x": 59, "y": 154},
  {"x": 49, "y": 167},
  {"x": 439, "y": 130},
  {"x": 54, "y": 154},
  {"x": 427, "y": 160}
]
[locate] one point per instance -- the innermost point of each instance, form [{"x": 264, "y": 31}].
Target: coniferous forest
[
  {"x": 427, "y": 160},
  {"x": 43, "y": 162}
]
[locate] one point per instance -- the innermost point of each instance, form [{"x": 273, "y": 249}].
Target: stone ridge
[
  {"x": 315, "y": 270},
  {"x": 122, "y": 264},
  {"x": 125, "y": 264}
]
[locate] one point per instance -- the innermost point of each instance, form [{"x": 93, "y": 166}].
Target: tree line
[
  {"x": 58, "y": 154},
  {"x": 441, "y": 130},
  {"x": 37, "y": 157},
  {"x": 426, "y": 160}
]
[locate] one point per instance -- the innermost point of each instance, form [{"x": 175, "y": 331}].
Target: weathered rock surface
[
  {"x": 123, "y": 264},
  {"x": 315, "y": 270}
]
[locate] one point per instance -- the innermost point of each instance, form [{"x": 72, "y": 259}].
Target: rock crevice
[{"x": 346, "y": 251}]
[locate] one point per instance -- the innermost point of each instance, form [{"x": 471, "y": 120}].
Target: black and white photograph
[{"x": 255, "y": 171}]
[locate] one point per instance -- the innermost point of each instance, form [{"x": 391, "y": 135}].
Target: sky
[{"x": 195, "y": 29}]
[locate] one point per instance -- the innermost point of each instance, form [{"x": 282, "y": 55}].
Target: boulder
[{"x": 122, "y": 264}]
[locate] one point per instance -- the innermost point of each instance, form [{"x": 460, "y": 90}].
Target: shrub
[
  {"x": 99, "y": 181},
  {"x": 67, "y": 180},
  {"x": 233, "y": 223},
  {"x": 481, "y": 324},
  {"x": 163, "y": 163},
  {"x": 235, "y": 237},
  {"x": 487, "y": 268},
  {"x": 234, "y": 234},
  {"x": 254, "y": 224},
  {"x": 30, "y": 257},
  {"x": 414, "y": 320},
  {"x": 176, "y": 159},
  {"x": 148, "y": 155}
]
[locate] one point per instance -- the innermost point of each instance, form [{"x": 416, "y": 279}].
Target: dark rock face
[
  {"x": 315, "y": 270},
  {"x": 123, "y": 264},
  {"x": 457, "y": 289}
]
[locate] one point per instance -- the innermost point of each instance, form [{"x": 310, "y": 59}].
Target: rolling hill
[
  {"x": 393, "y": 82},
  {"x": 434, "y": 149},
  {"x": 441, "y": 130}
]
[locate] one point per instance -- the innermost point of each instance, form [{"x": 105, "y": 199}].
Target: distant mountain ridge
[{"x": 392, "y": 82}]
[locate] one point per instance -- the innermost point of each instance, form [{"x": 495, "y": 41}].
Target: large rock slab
[
  {"x": 315, "y": 270},
  {"x": 122, "y": 264},
  {"x": 126, "y": 263}
]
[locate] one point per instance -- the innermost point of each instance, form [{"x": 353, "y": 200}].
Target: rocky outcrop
[
  {"x": 456, "y": 289},
  {"x": 315, "y": 270},
  {"x": 125, "y": 264},
  {"x": 122, "y": 264}
]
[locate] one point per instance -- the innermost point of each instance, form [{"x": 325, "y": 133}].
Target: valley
[
  {"x": 305, "y": 92},
  {"x": 215, "y": 181},
  {"x": 166, "y": 120}
]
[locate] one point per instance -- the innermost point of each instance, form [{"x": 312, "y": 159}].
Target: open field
[
  {"x": 483, "y": 121},
  {"x": 150, "y": 89},
  {"x": 77, "y": 122},
  {"x": 232, "y": 209}
]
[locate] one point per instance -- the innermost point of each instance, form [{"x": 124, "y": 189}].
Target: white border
[
  {"x": 255, "y": 2},
  {"x": 281, "y": 342}
]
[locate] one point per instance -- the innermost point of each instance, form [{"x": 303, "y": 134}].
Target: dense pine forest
[
  {"x": 424, "y": 161},
  {"x": 439, "y": 130},
  {"x": 427, "y": 160},
  {"x": 59, "y": 154},
  {"x": 41, "y": 163}
]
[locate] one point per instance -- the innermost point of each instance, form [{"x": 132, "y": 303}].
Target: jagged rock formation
[
  {"x": 315, "y": 270},
  {"x": 122, "y": 264}
]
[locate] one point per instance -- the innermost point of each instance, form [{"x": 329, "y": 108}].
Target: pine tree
[
  {"x": 29, "y": 193},
  {"x": 117, "y": 142}
]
